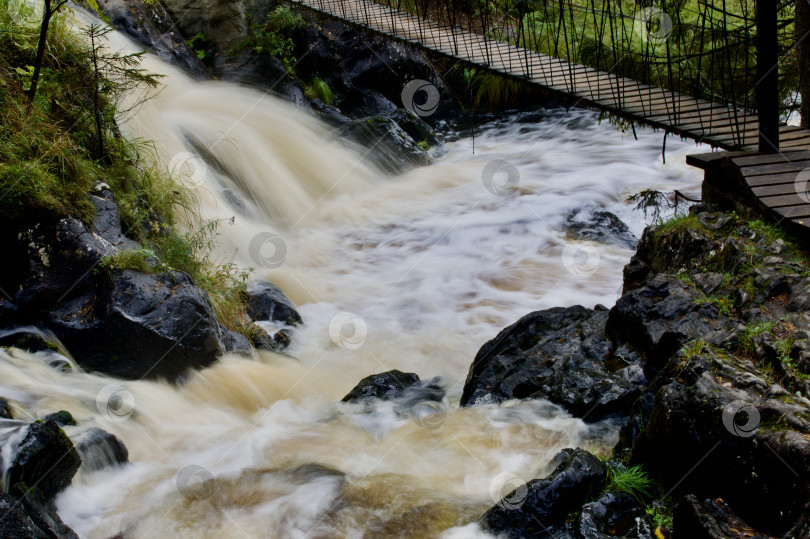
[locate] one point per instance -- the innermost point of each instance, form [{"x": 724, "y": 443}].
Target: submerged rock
[
  {"x": 597, "y": 224},
  {"x": 541, "y": 505},
  {"x": 384, "y": 386},
  {"x": 388, "y": 146},
  {"x": 99, "y": 449},
  {"x": 141, "y": 326}
]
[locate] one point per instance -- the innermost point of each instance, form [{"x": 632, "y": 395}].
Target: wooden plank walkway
[
  {"x": 778, "y": 185},
  {"x": 717, "y": 124}
]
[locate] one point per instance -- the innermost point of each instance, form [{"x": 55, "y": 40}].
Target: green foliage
[
  {"x": 752, "y": 331},
  {"x": 724, "y": 305},
  {"x": 196, "y": 45},
  {"x": 273, "y": 39},
  {"x": 50, "y": 162},
  {"x": 632, "y": 480},
  {"x": 319, "y": 89},
  {"x": 487, "y": 89},
  {"x": 650, "y": 202},
  {"x": 143, "y": 260}
]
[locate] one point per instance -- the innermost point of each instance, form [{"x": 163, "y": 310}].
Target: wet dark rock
[
  {"x": 560, "y": 354},
  {"x": 615, "y": 514},
  {"x": 597, "y": 224},
  {"x": 45, "y": 458},
  {"x": 661, "y": 316},
  {"x": 61, "y": 258},
  {"x": 384, "y": 386},
  {"x": 14, "y": 522},
  {"x": 234, "y": 341},
  {"x": 137, "y": 325},
  {"x": 151, "y": 25},
  {"x": 5, "y": 409},
  {"x": 62, "y": 418},
  {"x": 707, "y": 282},
  {"x": 222, "y": 24},
  {"x": 712, "y": 220},
  {"x": 389, "y": 146},
  {"x": 107, "y": 221},
  {"x": 42, "y": 513},
  {"x": 747, "y": 436},
  {"x": 30, "y": 338},
  {"x": 710, "y": 519},
  {"x": 535, "y": 509},
  {"x": 99, "y": 449},
  {"x": 267, "y": 301}
]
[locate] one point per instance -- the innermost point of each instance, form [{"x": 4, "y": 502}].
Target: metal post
[{"x": 767, "y": 76}]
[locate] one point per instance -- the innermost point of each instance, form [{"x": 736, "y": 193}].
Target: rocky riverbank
[
  {"x": 704, "y": 361},
  {"x": 352, "y": 79}
]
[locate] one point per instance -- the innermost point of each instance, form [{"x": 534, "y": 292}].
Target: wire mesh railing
[{"x": 688, "y": 65}]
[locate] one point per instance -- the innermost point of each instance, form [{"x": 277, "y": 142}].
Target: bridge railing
[{"x": 700, "y": 50}]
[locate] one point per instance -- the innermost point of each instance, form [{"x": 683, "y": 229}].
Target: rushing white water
[{"x": 431, "y": 265}]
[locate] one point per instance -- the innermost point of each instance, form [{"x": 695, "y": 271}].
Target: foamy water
[{"x": 429, "y": 266}]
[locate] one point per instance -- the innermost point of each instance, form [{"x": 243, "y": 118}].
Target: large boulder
[
  {"x": 719, "y": 429},
  {"x": 221, "y": 23},
  {"x": 140, "y": 326},
  {"x": 61, "y": 259},
  {"x": 662, "y": 315},
  {"x": 541, "y": 505},
  {"x": 560, "y": 354},
  {"x": 150, "y": 24},
  {"x": 44, "y": 459}
]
